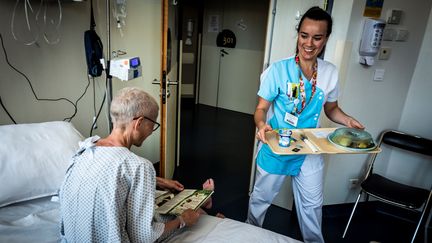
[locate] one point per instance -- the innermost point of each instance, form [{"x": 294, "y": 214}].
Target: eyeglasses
[{"x": 156, "y": 124}]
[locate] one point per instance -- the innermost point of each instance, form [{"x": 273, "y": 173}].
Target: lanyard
[{"x": 302, "y": 87}]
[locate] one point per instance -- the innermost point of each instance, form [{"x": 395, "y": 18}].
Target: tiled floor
[{"x": 218, "y": 143}]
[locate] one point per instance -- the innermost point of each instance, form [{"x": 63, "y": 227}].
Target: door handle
[
  {"x": 157, "y": 82},
  {"x": 223, "y": 52},
  {"x": 174, "y": 82},
  {"x": 169, "y": 83}
]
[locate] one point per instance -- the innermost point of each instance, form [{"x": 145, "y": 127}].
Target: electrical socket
[
  {"x": 384, "y": 53},
  {"x": 353, "y": 182},
  {"x": 94, "y": 123}
]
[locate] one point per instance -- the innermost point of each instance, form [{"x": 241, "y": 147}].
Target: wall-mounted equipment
[
  {"x": 371, "y": 40},
  {"x": 401, "y": 35},
  {"x": 93, "y": 48},
  {"x": 189, "y": 34},
  {"x": 126, "y": 68},
  {"x": 394, "y": 16}
]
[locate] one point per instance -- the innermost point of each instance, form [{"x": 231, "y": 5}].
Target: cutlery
[{"x": 305, "y": 139}]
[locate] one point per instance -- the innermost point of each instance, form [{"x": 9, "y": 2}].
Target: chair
[{"x": 392, "y": 192}]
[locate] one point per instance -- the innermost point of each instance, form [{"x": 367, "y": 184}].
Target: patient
[{"x": 108, "y": 193}]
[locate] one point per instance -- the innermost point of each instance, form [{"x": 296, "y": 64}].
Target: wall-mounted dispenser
[
  {"x": 189, "y": 32},
  {"x": 371, "y": 40}
]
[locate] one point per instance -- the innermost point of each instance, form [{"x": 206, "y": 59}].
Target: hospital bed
[{"x": 33, "y": 160}]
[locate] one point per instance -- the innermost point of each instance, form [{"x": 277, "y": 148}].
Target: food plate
[
  {"x": 348, "y": 148},
  {"x": 352, "y": 139}
]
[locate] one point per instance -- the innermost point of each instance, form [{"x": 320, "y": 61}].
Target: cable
[
  {"x": 100, "y": 109},
  {"x": 28, "y": 80},
  {"x": 26, "y": 3},
  {"x": 7, "y": 112},
  {"x": 76, "y": 102},
  {"x": 69, "y": 119},
  {"x": 94, "y": 97},
  {"x": 45, "y": 22}
]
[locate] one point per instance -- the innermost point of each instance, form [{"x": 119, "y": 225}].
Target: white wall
[
  {"x": 380, "y": 105},
  {"x": 417, "y": 119},
  {"x": 60, "y": 70}
]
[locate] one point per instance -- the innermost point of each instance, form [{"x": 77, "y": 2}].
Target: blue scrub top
[{"x": 273, "y": 88}]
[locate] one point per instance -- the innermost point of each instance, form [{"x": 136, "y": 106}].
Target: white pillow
[{"x": 34, "y": 159}]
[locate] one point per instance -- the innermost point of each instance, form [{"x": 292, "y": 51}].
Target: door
[
  {"x": 230, "y": 76},
  {"x": 170, "y": 90}
]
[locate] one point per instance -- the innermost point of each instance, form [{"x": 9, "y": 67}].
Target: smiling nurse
[{"x": 292, "y": 94}]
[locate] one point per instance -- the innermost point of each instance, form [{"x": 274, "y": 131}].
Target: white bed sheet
[
  {"x": 212, "y": 229},
  {"x": 38, "y": 221},
  {"x": 30, "y": 221}
]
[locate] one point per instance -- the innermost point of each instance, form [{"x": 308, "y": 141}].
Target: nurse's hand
[
  {"x": 261, "y": 132},
  {"x": 353, "y": 123}
]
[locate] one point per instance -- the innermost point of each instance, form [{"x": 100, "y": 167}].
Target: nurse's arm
[
  {"x": 260, "y": 119},
  {"x": 335, "y": 113}
]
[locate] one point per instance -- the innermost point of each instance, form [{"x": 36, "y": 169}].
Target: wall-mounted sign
[
  {"x": 226, "y": 38},
  {"x": 213, "y": 23},
  {"x": 373, "y": 8}
]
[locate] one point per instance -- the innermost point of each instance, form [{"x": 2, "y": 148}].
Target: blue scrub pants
[{"x": 308, "y": 196}]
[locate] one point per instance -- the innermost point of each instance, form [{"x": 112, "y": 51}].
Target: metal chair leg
[
  {"x": 352, "y": 213},
  {"x": 425, "y": 209},
  {"x": 427, "y": 226}
]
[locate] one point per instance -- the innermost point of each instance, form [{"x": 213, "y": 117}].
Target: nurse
[{"x": 292, "y": 94}]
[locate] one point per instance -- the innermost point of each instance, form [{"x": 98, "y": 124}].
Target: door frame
[
  {"x": 163, "y": 90},
  {"x": 170, "y": 109}
]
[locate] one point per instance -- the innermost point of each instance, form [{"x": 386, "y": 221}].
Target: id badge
[{"x": 291, "y": 119}]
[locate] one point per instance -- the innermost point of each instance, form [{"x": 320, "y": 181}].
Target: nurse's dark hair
[{"x": 319, "y": 14}]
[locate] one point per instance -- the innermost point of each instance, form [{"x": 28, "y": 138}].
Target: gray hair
[{"x": 132, "y": 102}]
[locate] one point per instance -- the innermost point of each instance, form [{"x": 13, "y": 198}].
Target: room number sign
[{"x": 226, "y": 38}]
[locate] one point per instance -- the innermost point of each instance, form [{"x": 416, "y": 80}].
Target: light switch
[
  {"x": 379, "y": 75},
  {"x": 384, "y": 53},
  {"x": 401, "y": 35},
  {"x": 389, "y": 34}
]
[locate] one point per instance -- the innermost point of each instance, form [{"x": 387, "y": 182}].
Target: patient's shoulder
[{"x": 136, "y": 162}]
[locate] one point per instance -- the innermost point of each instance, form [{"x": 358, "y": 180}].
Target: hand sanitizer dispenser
[{"x": 371, "y": 40}]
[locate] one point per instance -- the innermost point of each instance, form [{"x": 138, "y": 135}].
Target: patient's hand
[
  {"x": 190, "y": 217},
  {"x": 167, "y": 184}
]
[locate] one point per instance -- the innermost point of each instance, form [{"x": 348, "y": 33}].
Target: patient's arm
[
  {"x": 167, "y": 184},
  {"x": 189, "y": 217}
]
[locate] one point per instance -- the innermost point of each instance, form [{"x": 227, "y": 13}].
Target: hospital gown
[{"x": 108, "y": 196}]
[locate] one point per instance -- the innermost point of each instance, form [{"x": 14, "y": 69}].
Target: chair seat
[{"x": 410, "y": 197}]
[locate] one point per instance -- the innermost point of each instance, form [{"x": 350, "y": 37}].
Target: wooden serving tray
[{"x": 317, "y": 136}]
